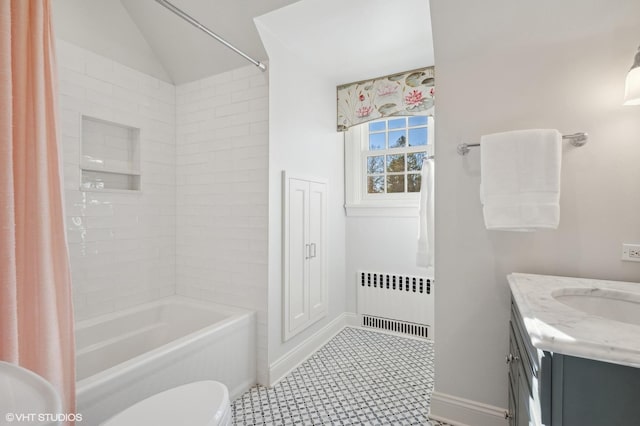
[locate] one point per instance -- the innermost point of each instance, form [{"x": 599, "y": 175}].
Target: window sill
[{"x": 377, "y": 210}]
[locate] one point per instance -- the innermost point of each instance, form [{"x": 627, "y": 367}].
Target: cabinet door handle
[
  {"x": 307, "y": 251},
  {"x": 511, "y": 358},
  {"x": 312, "y": 252}
]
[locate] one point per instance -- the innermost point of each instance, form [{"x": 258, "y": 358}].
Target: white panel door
[
  {"x": 304, "y": 263},
  {"x": 317, "y": 244},
  {"x": 298, "y": 246}
]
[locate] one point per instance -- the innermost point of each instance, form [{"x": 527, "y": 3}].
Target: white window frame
[{"x": 358, "y": 202}]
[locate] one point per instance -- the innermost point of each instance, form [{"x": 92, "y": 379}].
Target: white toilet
[
  {"x": 23, "y": 391},
  {"x": 203, "y": 403}
]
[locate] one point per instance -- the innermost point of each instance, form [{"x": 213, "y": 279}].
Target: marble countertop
[{"x": 556, "y": 327}]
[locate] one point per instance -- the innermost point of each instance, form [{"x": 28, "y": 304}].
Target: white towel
[
  {"x": 520, "y": 175},
  {"x": 426, "y": 222}
]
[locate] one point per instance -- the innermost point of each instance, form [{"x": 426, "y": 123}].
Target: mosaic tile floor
[{"x": 359, "y": 377}]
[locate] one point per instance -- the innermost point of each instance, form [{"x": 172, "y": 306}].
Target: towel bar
[{"x": 575, "y": 139}]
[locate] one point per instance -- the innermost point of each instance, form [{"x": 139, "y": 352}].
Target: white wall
[
  {"x": 354, "y": 40},
  {"x": 380, "y": 244},
  {"x": 506, "y": 65},
  {"x": 303, "y": 141},
  {"x": 222, "y": 193},
  {"x": 307, "y": 62},
  {"x": 122, "y": 245}
]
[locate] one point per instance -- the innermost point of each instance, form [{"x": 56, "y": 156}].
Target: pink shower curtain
[{"x": 36, "y": 315}]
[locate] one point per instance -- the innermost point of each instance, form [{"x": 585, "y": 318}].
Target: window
[
  {"x": 383, "y": 163},
  {"x": 396, "y": 148}
]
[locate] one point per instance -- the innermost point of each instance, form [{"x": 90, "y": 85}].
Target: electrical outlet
[{"x": 631, "y": 252}]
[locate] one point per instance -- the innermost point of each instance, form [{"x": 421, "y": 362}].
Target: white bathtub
[{"x": 124, "y": 357}]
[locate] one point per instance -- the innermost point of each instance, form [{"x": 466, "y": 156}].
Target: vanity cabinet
[
  {"x": 552, "y": 389},
  {"x": 524, "y": 375}
]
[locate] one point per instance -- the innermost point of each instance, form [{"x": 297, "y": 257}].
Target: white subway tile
[
  {"x": 244, "y": 72},
  {"x": 96, "y": 110},
  {"x": 71, "y": 89},
  {"x": 99, "y": 98},
  {"x": 203, "y": 210},
  {"x": 126, "y": 77},
  {"x": 259, "y": 104},
  {"x": 259, "y": 128},
  {"x": 70, "y": 103},
  {"x": 232, "y": 87},
  {"x": 69, "y": 57},
  {"x": 99, "y": 67},
  {"x": 195, "y": 116},
  {"x": 232, "y": 132},
  {"x": 222, "y": 78},
  {"x": 214, "y": 124},
  {"x": 204, "y": 93},
  {"x": 259, "y": 80},
  {"x": 107, "y": 230},
  {"x": 242, "y": 95},
  {"x": 188, "y": 87},
  {"x": 97, "y": 85},
  {"x": 209, "y": 103}
]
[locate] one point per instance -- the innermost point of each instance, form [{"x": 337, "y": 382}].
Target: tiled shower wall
[
  {"x": 122, "y": 244},
  {"x": 222, "y": 193},
  {"x": 199, "y": 226}
]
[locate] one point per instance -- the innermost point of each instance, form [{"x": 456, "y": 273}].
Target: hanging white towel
[
  {"x": 520, "y": 174},
  {"x": 426, "y": 220}
]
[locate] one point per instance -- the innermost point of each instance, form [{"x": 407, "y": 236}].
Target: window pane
[
  {"x": 413, "y": 182},
  {"x": 376, "y": 141},
  {"x": 398, "y": 123},
  {"x": 419, "y": 120},
  {"x": 397, "y": 138},
  {"x": 395, "y": 163},
  {"x": 375, "y": 184},
  {"x": 377, "y": 126},
  {"x": 395, "y": 183},
  {"x": 418, "y": 136},
  {"x": 414, "y": 161},
  {"x": 375, "y": 164}
]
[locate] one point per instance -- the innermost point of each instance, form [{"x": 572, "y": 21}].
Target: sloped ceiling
[
  {"x": 145, "y": 36},
  {"x": 186, "y": 52},
  {"x": 105, "y": 27},
  {"x": 347, "y": 40}
]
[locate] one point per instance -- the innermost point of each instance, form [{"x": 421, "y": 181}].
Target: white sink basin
[
  {"x": 582, "y": 317},
  {"x": 24, "y": 392},
  {"x": 610, "y": 304}
]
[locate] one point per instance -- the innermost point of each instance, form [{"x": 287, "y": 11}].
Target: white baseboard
[
  {"x": 464, "y": 412},
  {"x": 292, "y": 359},
  {"x": 240, "y": 389}
]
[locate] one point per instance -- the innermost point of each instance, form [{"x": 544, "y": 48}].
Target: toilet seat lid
[{"x": 199, "y": 403}]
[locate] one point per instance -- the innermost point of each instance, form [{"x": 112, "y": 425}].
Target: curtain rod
[
  {"x": 575, "y": 139},
  {"x": 206, "y": 30}
]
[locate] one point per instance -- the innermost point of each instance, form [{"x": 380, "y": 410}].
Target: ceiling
[
  {"x": 354, "y": 40},
  {"x": 189, "y": 54},
  {"x": 345, "y": 39},
  {"x": 145, "y": 36}
]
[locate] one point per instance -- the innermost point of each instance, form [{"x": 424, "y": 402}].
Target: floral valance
[{"x": 408, "y": 93}]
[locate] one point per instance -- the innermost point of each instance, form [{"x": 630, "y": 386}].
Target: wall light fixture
[{"x": 632, "y": 86}]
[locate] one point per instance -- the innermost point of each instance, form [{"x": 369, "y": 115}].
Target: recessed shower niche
[{"x": 110, "y": 158}]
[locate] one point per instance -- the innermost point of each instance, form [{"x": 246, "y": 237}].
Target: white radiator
[{"x": 394, "y": 302}]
